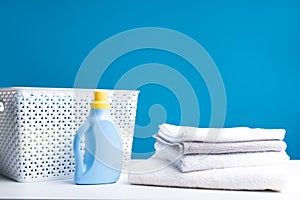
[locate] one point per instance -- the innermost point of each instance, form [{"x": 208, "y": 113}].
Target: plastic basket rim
[{"x": 35, "y": 89}]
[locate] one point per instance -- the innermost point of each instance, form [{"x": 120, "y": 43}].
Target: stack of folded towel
[{"x": 229, "y": 158}]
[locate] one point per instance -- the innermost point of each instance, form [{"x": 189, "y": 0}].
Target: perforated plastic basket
[{"x": 37, "y": 126}]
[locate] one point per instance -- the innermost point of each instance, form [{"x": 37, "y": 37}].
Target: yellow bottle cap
[{"x": 100, "y": 100}]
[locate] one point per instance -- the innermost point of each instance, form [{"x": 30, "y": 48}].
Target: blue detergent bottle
[{"x": 103, "y": 156}]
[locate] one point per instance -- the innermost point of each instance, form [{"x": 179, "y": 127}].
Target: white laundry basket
[{"x": 37, "y": 126}]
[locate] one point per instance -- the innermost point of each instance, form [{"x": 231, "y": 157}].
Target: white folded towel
[
  {"x": 160, "y": 173},
  {"x": 224, "y": 147},
  {"x": 185, "y": 133},
  {"x": 188, "y": 163}
]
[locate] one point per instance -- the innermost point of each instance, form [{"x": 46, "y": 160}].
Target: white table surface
[{"x": 65, "y": 189}]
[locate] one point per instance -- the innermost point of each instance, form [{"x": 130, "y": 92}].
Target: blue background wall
[{"x": 255, "y": 44}]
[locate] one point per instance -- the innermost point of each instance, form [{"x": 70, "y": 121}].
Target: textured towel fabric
[
  {"x": 160, "y": 173},
  {"x": 188, "y": 163},
  {"x": 239, "y": 134},
  {"x": 221, "y": 148}
]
